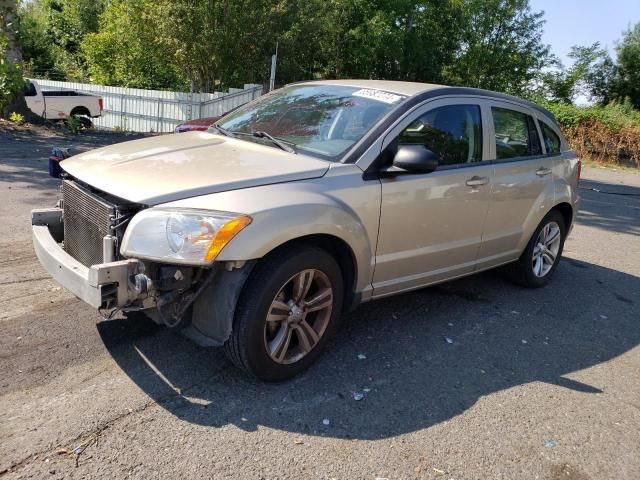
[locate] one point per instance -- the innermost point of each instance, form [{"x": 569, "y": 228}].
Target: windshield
[{"x": 321, "y": 120}]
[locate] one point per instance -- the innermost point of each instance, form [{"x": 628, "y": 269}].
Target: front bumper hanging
[{"x": 105, "y": 285}]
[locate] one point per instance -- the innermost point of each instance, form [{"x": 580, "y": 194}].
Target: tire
[
  {"x": 527, "y": 271},
  {"x": 265, "y": 349},
  {"x": 85, "y": 122}
]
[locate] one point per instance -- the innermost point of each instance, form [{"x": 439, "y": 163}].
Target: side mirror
[{"x": 415, "y": 159}]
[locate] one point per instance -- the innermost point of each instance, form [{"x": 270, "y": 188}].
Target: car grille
[{"x": 87, "y": 219}]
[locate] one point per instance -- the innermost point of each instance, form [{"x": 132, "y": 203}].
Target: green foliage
[
  {"x": 628, "y": 81},
  {"x": 596, "y": 75},
  {"x": 604, "y": 134},
  {"x": 501, "y": 48},
  {"x": 11, "y": 81},
  {"x": 74, "y": 124},
  {"x": 127, "y": 49},
  {"x": 36, "y": 48},
  {"x": 16, "y": 118},
  {"x": 616, "y": 116},
  {"x": 51, "y": 33},
  {"x": 213, "y": 44},
  {"x": 564, "y": 84}
]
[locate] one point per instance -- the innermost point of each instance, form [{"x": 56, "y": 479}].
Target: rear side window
[
  {"x": 516, "y": 134},
  {"x": 551, "y": 140},
  {"x": 29, "y": 90},
  {"x": 453, "y": 132}
]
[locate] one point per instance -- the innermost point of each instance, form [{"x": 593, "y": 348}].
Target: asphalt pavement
[{"x": 473, "y": 379}]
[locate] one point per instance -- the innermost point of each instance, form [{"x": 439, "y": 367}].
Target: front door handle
[
  {"x": 542, "y": 171},
  {"x": 476, "y": 181}
]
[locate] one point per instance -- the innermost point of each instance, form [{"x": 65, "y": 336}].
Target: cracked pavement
[{"x": 536, "y": 384}]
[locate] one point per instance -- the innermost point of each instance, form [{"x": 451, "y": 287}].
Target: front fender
[
  {"x": 342, "y": 205},
  {"x": 276, "y": 226}
]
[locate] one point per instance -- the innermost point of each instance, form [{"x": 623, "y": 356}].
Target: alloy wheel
[
  {"x": 298, "y": 316},
  {"x": 545, "y": 251}
]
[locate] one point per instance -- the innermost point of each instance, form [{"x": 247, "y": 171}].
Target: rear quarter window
[{"x": 29, "y": 90}]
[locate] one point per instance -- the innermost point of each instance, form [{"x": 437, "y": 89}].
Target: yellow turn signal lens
[{"x": 224, "y": 236}]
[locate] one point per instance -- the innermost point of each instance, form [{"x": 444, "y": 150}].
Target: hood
[{"x": 172, "y": 167}]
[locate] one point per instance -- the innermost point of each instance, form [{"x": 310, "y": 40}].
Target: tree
[
  {"x": 628, "y": 78},
  {"x": 219, "y": 42},
  {"x": 37, "y": 49},
  {"x": 584, "y": 76},
  {"x": 601, "y": 80},
  {"x": 501, "y": 47},
  {"x": 68, "y": 24},
  {"x": 11, "y": 97},
  {"x": 127, "y": 51},
  {"x": 215, "y": 44}
]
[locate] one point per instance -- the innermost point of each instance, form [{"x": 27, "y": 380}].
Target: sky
[{"x": 575, "y": 22}]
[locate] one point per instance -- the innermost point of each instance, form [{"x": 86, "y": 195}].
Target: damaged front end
[{"x": 79, "y": 242}]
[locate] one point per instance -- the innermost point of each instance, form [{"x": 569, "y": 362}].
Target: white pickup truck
[{"x": 62, "y": 104}]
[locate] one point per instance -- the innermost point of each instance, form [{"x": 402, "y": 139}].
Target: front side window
[
  {"x": 452, "y": 132},
  {"x": 516, "y": 134},
  {"x": 551, "y": 139},
  {"x": 320, "y": 120}
]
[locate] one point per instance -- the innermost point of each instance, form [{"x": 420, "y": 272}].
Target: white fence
[{"x": 138, "y": 110}]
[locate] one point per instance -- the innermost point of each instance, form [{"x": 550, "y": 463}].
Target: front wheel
[
  {"x": 287, "y": 311},
  {"x": 540, "y": 258}
]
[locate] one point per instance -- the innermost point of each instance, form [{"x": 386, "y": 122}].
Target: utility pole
[{"x": 274, "y": 60}]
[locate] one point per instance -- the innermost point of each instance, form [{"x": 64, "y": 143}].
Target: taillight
[
  {"x": 579, "y": 170},
  {"x": 101, "y": 103}
]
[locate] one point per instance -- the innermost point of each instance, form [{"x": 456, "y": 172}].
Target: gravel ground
[{"x": 535, "y": 385}]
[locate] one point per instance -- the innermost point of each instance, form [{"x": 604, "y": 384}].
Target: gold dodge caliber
[{"x": 259, "y": 233}]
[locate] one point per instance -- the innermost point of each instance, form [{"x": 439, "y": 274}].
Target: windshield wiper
[
  {"x": 262, "y": 134},
  {"x": 274, "y": 140},
  {"x": 224, "y": 131}
]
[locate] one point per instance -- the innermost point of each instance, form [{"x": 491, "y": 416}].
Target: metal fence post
[
  {"x": 158, "y": 115},
  {"x": 121, "y": 110}
]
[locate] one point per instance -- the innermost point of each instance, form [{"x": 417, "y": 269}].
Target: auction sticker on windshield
[{"x": 379, "y": 95}]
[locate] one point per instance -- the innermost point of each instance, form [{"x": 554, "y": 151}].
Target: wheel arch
[
  {"x": 214, "y": 310},
  {"x": 343, "y": 254},
  {"x": 567, "y": 213},
  {"x": 80, "y": 110}
]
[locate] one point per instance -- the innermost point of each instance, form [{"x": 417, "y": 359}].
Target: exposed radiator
[{"x": 87, "y": 219}]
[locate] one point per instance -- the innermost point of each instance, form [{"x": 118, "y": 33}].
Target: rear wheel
[
  {"x": 80, "y": 119},
  {"x": 85, "y": 122},
  {"x": 287, "y": 311},
  {"x": 538, "y": 262}
]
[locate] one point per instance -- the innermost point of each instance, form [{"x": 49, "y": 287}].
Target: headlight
[{"x": 193, "y": 237}]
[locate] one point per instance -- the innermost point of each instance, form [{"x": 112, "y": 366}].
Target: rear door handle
[
  {"x": 541, "y": 172},
  {"x": 476, "y": 181}
]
